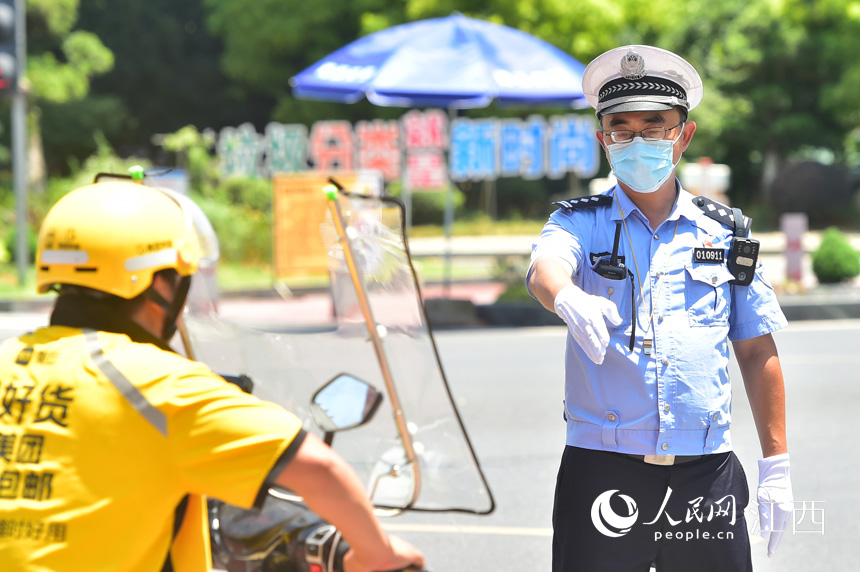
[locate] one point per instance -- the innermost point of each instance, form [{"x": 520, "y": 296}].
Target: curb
[
  {"x": 35, "y": 305},
  {"x": 450, "y": 313},
  {"x": 845, "y": 306},
  {"x": 447, "y": 313}
]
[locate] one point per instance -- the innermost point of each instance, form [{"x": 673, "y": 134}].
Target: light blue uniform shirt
[{"x": 677, "y": 400}]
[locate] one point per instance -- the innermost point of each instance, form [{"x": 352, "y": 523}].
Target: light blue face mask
[{"x": 643, "y": 165}]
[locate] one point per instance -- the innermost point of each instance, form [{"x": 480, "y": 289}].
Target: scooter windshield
[{"x": 368, "y": 321}]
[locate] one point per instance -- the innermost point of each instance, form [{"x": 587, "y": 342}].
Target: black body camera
[
  {"x": 743, "y": 253},
  {"x": 743, "y": 256}
]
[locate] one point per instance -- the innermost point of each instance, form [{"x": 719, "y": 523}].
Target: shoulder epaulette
[
  {"x": 723, "y": 214},
  {"x": 585, "y": 202}
]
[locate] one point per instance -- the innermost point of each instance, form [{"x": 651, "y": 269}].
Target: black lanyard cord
[{"x": 632, "y": 309}]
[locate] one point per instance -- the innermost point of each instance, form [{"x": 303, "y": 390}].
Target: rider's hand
[
  {"x": 402, "y": 555},
  {"x": 775, "y": 499},
  {"x": 586, "y": 317}
]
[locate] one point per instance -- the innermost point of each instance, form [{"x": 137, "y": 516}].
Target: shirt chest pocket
[
  {"x": 617, "y": 291},
  {"x": 708, "y": 294}
]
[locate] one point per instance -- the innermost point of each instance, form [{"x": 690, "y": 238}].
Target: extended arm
[
  {"x": 585, "y": 315},
  {"x": 549, "y": 276},
  {"x": 332, "y": 490}
]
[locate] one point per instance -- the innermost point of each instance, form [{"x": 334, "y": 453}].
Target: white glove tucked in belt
[
  {"x": 586, "y": 317},
  {"x": 775, "y": 499}
]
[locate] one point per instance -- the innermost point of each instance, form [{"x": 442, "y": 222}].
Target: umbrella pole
[
  {"x": 406, "y": 194},
  {"x": 448, "y": 219},
  {"x": 449, "y": 223}
]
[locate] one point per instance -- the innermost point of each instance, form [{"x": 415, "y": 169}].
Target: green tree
[
  {"x": 583, "y": 29},
  {"x": 167, "y": 73},
  {"x": 192, "y": 150},
  {"x": 61, "y": 63},
  {"x": 780, "y": 78},
  {"x": 269, "y": 41},
  {"x": 266, "y": 42}
]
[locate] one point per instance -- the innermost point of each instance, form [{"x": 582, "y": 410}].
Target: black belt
[{"x": 665, "y": 460}]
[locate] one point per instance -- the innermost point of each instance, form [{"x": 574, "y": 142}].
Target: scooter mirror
[{"x": 343, "y": 403}]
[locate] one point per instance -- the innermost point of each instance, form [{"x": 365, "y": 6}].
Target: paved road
[
  {"x": 512, "y": 410},
  {"x": 507, "y": 383}
]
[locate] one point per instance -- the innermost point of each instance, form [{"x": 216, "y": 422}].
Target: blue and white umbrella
[{"x": 453, "y": 62}]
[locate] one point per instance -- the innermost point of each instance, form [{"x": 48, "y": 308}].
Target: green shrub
[
  {"x": 835, "y": 260},
  {"x": 428, "y": 207},
  {"x": 255, "y": 194},
  {"x": 4, "y": 253},
  {"x": 511, "y": 270},
  {"x": 10, "y": 241},
  {"x": 516, "y": 292},
  {"x": 240, "y": 210},
  {"x": 244, "y": 234}
]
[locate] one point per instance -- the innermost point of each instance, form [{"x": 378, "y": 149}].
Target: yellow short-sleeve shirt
[{"x": 92, "y": 467}]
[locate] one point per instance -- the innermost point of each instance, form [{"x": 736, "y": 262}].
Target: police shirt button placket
[
  {"x": 663, "y": 414},
  {"x": 656, "y": 279}
]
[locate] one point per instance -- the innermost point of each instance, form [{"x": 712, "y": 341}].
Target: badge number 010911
[{"x": 709, "y": 255}]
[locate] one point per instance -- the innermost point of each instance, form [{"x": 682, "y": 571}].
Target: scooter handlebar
[{"x": 343, "y": 548}]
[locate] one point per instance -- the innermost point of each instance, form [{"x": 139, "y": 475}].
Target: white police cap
[{"x": 640, "y": 78}]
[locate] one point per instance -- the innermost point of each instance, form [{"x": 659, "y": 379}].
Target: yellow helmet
[{"x": 113, "y": 236}]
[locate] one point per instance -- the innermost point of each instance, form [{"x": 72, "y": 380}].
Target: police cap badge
[{"x": 640, "y": 78}]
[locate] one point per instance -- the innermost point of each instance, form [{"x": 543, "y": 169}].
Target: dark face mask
[
  {"x": 171, "y": 309},
  {"x": 106, "y": 313}
]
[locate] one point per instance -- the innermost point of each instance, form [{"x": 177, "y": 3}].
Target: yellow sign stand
[{"x": 299, "y": 208}]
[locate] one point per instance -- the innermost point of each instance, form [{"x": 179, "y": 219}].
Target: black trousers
[{"x": 614, "y": 513}]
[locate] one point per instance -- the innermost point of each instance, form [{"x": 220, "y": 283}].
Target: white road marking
[{"x": 456, "y": 529}]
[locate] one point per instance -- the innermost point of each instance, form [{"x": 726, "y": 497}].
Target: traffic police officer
[
  {"x": 110, "y": 440},
  {"x": 653, "y": 283}
]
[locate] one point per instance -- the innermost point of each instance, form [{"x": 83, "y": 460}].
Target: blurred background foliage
[
  {"x": 148, "y": 82},
  {"x": 835, "y": 260}
]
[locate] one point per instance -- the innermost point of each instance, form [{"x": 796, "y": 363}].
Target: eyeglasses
[{"x": 650, "y": 134}]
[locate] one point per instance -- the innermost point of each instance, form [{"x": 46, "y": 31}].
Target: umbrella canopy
[{"x": 452, "y": 62}]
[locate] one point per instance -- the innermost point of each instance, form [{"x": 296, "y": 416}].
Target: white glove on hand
[
  {"x": 775, "y": 499},
  {"x": 586, "y": 317}
]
